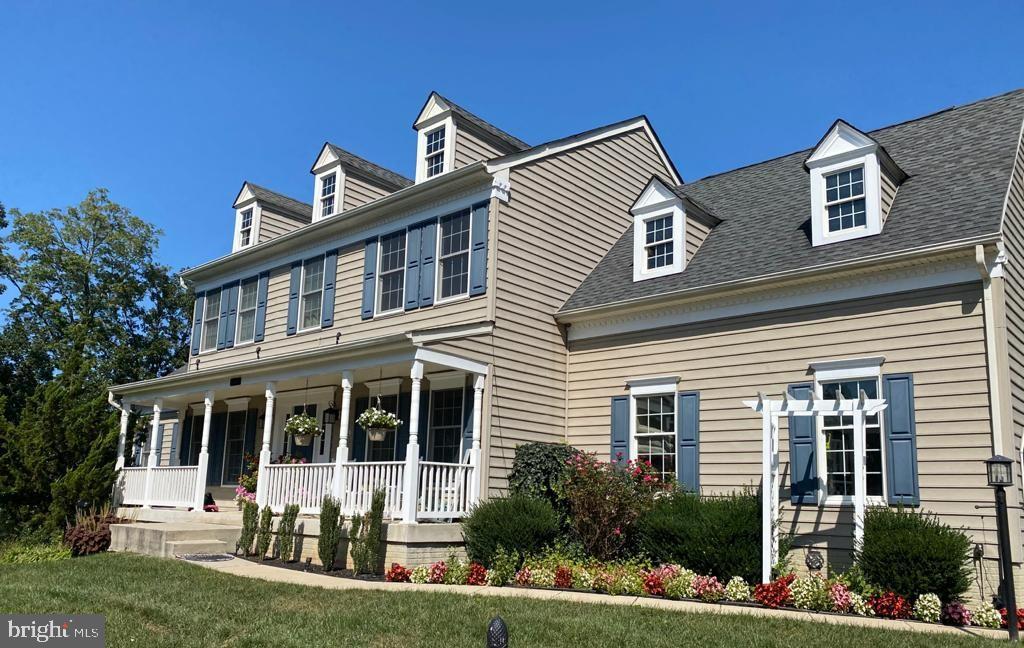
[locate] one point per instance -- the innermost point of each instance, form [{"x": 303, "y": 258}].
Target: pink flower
[{"x": 617, "y": 531}]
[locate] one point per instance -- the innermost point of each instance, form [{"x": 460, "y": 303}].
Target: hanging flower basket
[
  {"x": 378, "y": 422},
  {"x": 303, "y": 428}
]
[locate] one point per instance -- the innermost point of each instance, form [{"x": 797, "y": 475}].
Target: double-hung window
[
  {"x": 435, "y": 152},
  {"x": 211, "y": 320},
  {"x": 654, "y": 432},
  {"x": 246, "y": 312},
  {"x": 311, "y": 300},
  {"x": 245, "y": 228},
  {"x": 391, "y": 291},
  {"x": 454, "y": 255},
  {"x": 327, "y": 192},
  {"x": 838, "y": 443},
  {"x": 658, "y": 246},
  {"x": 446, "y": 424},
  {"x": 844, "y": 200}
]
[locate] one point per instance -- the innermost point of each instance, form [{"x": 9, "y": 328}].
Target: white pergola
[{"x": 770, "y": 411}]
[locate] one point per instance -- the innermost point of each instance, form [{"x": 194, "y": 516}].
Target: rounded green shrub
[
  {"x": 720, "y": 536},
  {"x": 518, "y": 524},
  {"x": 913, "y": 554}
]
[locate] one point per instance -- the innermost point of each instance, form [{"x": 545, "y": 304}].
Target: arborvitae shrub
[
  {"x": 264, "y": 535},
  {"x": 720, "y": 536},
  {"x": 521, "y": 524},
  {"x": 365, "y": 536},
  {"x": 913, "y": 553},
  {"x": 286, "y": 533},
  {"x": 250, "y": 517},
  {"x": 330, "y": 532}
]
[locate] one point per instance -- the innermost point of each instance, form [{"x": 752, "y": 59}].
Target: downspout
[{"x": 113, "y": 403}]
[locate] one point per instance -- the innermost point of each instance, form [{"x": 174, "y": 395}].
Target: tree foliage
[{"x": 91, "y": 307}]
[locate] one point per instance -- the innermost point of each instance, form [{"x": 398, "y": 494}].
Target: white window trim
[
  {"x": 339, "y": 189},
  {"x": 443, "y": 382},
  {"x": 238, "y": 313},
  {"x": 658, "y": 201},
  {"x": 853, "y": 149},
  {"x": 379, "y": 288},
  {"x": 438, "y": 299},
  {"x": 202, "y": 328},
  {"x": 257, "y": 216},
  {"x": 827, "y": 371},
  {"x": 448, "y": 122},
  {"x": 642, "y": 387},
  {"x": 302, "y": 293}
]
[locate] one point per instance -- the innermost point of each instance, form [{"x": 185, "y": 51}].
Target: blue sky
[{"x": 171, "y": 105}]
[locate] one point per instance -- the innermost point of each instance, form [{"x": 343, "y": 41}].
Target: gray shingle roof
[
  {"x": 511, "y": 140},
  {"x": 959, "y": 163},
  {"x": 386, "y": 176},
  {"x": 290, "y": 206}
]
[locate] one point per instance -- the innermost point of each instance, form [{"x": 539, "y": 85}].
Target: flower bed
[{"x": 811, "y": 593}]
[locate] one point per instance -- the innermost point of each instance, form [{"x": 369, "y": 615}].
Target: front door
[{"x": 234, "y": 447}]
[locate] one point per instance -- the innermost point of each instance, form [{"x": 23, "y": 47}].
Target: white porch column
[
  {"x": 204, "y": 453},
  {"x": 859, "y": 478},
  {"x": 341, "y": 456},
  {"x": 123, "y": 436},
  {"x": 412, "y": 450},
  {"x": 475, "y": 484},
  {"x": 154, "y": 451},
  {"x": 268, "y": 428}
]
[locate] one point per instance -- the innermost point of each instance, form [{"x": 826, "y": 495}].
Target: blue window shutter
[
  {"x": 197, "y": 323},
  {"x": 402, "y": 437},
  {"x": 222, "y": 326},
  {"x": 358, "y": 433},
  {"x": 293, "y": 298},
  {"x": 369, "y": 278},
  {"x": 330, "y": 277},
  {"x": 261, "y": 306},
  {"x": 688, "y": 453},
  {"x": 478, "y": 251},
  {"x": 900, "y": 439},
  {"x": 467, "y": 421},
  {"x": 229, "y": 335},
  {"x": 412, "y": 268},
  {"x": 620, "y": 430},
  {"x": 428, "y": 253},
  {"x": 803, "y": 444}
]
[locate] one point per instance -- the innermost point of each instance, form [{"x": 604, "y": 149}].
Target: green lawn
[{"x": 152, "y": 602}]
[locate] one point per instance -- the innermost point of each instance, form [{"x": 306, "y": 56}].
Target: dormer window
[
  {"x": 245, "y": 229},
  {"x": 435, "y": 152},
  {"x": 327, "y": 191},
  {"x": 844, "y": 200},
  {"x": 848, "y": 170},
  {"x": 658, "y": 232}
]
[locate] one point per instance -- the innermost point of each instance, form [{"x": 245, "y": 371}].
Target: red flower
[
  {"x": 477, "y": 574},
  {"x": 890, "y": 605},
  {"x": 775, "y": 593},
  {"x": 398, "y": 574},
  {"x": 1020, "y": 618},
  {"x": 563, "y": 577},
  {"x": 654, "y": 585}
]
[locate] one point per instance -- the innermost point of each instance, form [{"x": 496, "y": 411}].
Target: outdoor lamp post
[{"x": 1000, "y": 475}]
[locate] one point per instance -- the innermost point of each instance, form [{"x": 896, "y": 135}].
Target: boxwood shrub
[
  {"x": 720, "y": 536},
  {"x": 519, "y": 524},
  {"x": 913, "y": 553}
]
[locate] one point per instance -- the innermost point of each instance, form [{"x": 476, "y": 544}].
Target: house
[{"x": 580, "y": 291}]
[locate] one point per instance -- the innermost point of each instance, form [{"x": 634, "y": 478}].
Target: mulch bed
[{"x": 306, "y": 566}]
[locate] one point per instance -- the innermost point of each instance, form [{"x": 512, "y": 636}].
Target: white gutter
[{"x": 114, "y": 403}]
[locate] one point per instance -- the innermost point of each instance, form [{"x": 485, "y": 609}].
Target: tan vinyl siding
[
  {"x": 470, "y": 148},
  {"x": 347, "y": 316},
  {"x": 273, "y": 225},
  {"x": 888, "y": 187},
  {"x": 937, "y": 335},
  {"x": 696, "y": 231},
  {"x": 360, "y": 191},
  {"x": 1013, "y": 235},
  {"x": 565, "y": 212}
]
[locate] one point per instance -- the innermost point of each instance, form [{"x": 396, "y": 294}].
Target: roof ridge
[
  {"x": 276, "y": 193},
  {"x": 875, "y": 130}
]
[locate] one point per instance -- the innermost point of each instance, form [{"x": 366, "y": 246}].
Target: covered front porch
[{"x": 429, "y": 468}]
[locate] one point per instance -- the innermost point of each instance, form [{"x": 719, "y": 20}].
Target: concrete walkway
[{"x": 249, "y": 569}]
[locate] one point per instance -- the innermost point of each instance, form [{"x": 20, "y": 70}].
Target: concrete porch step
[
  {"x": 163, "y": 538},
  {"x": 184, "y": 547}
]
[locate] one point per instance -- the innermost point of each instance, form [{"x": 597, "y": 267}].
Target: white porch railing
[
  {"x": 302, "y": 484},
  {"x": 360, "y": 480},
  {"x": 131, "y": 486},
  {"x": 173, "y": 485},
  {"x": 444, "y": 490}
]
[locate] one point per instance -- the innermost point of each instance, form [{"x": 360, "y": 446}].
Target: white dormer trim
[
  {"x": 339, "y": 191},
  {"x": 245, "y": 201},
  {"x": 842, "y": 149},
  {"x": 656, "y": 201},
  {"x": 447, "y": 122}
]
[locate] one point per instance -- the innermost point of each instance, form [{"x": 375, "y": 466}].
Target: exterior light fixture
[{"x": 1000, "y": 475}]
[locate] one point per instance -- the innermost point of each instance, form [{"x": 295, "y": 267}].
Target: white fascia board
[
  {"x": 842, "y": 140},
  {"x": 245, "y": 194},
  {"x": 589, "y": 137},
  {"x": 325, "y": 157},
  {"x": 451, "y": 361},
  {"x": 655, "y": 195},
  {"x": 434, "y": 108}
]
